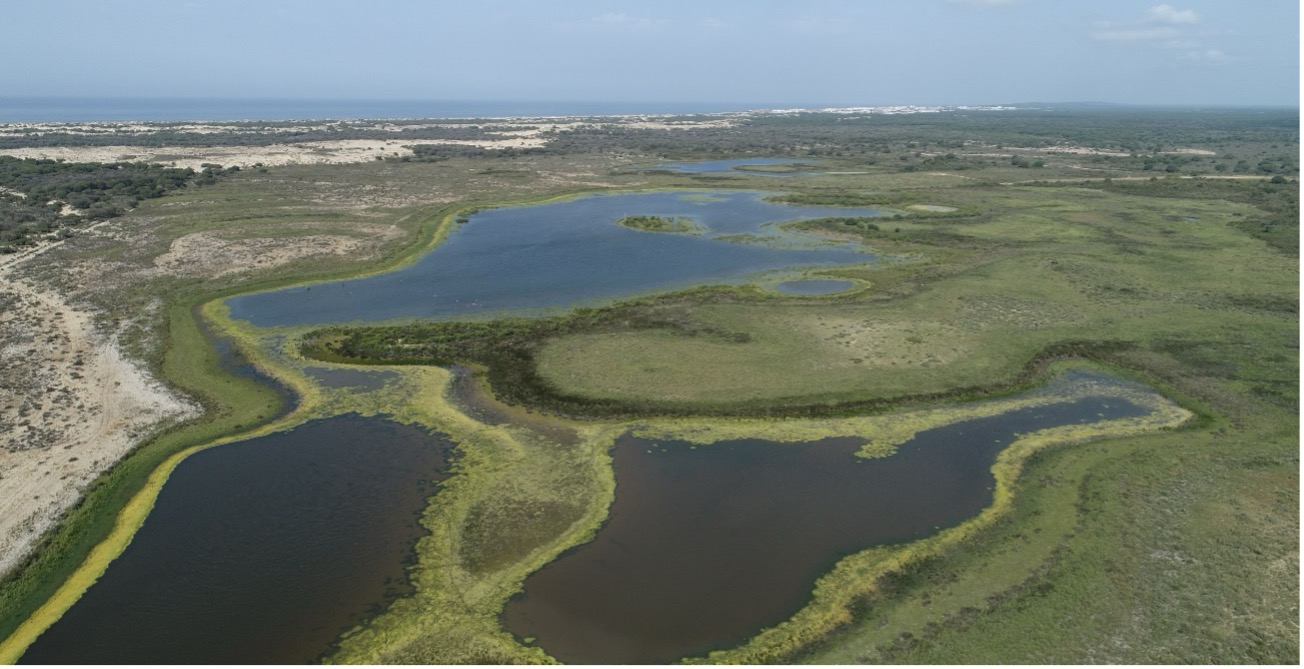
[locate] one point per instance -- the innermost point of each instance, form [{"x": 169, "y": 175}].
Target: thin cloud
[
  {"x": 986, "y": 3},
  {"x": 1164, "y": 24},
  {"x": 617, "y": 22},
  {"x": 1170, "y": 14},
  {"x": 1135, "y": 34},
  {"x": 820, "y": 26}
]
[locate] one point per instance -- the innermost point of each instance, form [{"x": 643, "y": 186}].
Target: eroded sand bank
[{"x": 71, "y": 405}]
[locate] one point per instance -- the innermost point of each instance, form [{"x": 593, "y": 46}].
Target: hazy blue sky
[{"x": 779, "y": 51}]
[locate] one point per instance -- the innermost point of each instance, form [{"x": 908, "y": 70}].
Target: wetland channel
[{"x": 266, "y": 550}]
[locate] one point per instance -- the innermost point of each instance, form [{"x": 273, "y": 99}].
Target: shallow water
[
  {"x": 358, "y": 379},
  {"x": 814, "y": 286},
  {"x": 707, "y": 545},
  {"x": 472, "y": 397},
  {"x": 233, "y": 361},
  {"x": 566, "y": 253},
  {"x": 262, "y": 551}
]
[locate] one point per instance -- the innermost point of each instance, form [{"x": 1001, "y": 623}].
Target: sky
[{"x": 812, "y": 52}]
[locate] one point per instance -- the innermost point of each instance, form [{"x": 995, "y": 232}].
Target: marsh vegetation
[
  {"x": 692, "y": 531},
  {"x": 1097, "y": 546},
  {"x": 245, "y": 545}
]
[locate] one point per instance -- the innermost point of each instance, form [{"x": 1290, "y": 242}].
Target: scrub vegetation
[
  {"x": 46, "y": 198},
  {"x": 683, "y": 225},
  {"x": 1173, "y": 540}
]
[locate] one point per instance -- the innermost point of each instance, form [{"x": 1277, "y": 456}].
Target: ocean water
[{"x": 232, "y": 109}]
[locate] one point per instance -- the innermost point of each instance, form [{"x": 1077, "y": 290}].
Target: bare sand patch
[
  {"x": 303, "y": 153},
  {"x": 677, "y": 125},
  {"x": 194, "y": 157},
  {"x": 942, "y": 209},
  {"x": 515, "y": 133},
  {"x": 70, "y": 407},
  {"x": 210, "y": 254},
  {"x": 1070, "y": 149}
]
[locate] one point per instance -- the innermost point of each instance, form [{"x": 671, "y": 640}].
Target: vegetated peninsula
[{"x": 1105, "y": 300}]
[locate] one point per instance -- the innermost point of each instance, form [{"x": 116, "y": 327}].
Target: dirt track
[{"x": 70, "y": 406}]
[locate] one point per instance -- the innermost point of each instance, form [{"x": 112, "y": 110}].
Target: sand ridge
[
  {"x": 514, "y": 133},
  {"x": 71, "y": 405}
]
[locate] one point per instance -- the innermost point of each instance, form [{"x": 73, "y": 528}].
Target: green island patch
[{"x": 681, "y": 225}]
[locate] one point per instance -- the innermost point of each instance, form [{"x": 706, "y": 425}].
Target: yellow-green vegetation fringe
[
  {"x": 883, "y": 433},
  {"x": 132, "y": 517},
  {"x": 190, "y": 363},
  {"x": 507, "y": 480},
  {"x": 314, "y": 402},
  {"x": 520, "y": 499},
  {"x": 861, "y": 574},
  {"x": 452, "y": 616}
]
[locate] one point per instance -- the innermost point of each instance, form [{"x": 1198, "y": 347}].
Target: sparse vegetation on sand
[{"x": 46, "y": 198}]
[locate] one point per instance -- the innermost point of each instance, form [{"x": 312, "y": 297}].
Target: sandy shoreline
[{"x": 70, "y": 405}]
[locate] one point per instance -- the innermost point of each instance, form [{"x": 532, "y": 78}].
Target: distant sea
[{"x": 218, "y": 109}]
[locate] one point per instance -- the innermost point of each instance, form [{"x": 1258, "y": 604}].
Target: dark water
[
  {"x": 706, "y": 546},
  {"x": 717, "y": 166},
  {"x": 228, "y": 109},
  {"x": 472, "y": 397},
  {"x": 814, "y": 286},
  {"x": 262, "y": 551},
  {"x": 359, "y": 379},
  {"x": 561, "y": 254}
]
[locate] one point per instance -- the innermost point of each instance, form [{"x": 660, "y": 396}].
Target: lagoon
[
  {"x": 707, "y": 545},
  {"x": 568, "y": 253},
  {"x": 262, "y": 551}
]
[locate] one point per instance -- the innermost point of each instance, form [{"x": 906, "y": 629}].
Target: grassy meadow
[
  {"x": 1149, "y": 543},
  {"x": 1038, "y": 266},
  {"x": 1171, "y": 289}
]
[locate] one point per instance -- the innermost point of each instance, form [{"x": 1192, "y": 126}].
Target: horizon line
[{"x": 754, "y": 104}]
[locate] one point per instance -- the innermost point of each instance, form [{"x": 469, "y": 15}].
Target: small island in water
[
  {"x": 977, "y": 388},
  {"x": 682, "y": 225}
]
